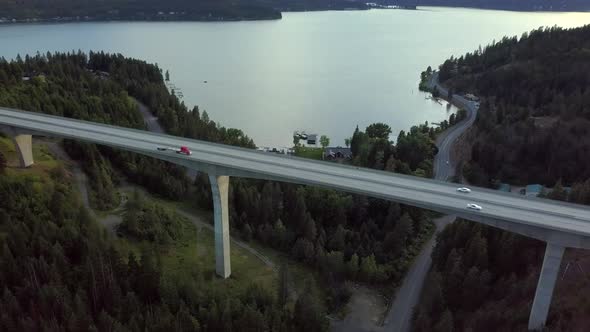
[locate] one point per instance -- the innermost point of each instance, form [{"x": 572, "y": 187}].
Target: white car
[
  {"x": 473, "y": 206},
  {"x": 464, "y": 190}
]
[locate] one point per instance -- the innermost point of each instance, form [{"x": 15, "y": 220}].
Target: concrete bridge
[{"x": 559, "y": 224}]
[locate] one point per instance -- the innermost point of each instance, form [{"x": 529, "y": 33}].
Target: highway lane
[
  {"x": 568, "y": 218},
  {"x": 209, "y": 152}
]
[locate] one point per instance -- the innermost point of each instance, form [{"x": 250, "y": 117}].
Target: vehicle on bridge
[
  {"x": 473, "y": 206},
  {"x": 183, "y": 150},
  {"x": 464, "y": 190}
]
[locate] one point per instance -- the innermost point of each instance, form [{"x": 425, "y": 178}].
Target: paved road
[
  {"x": 408, "y": 295},
  {"x": 442, "y": 170},
  {"x": 399, "y": 317},
  {"x": 152, "y": 124},
  {"x": 151, "y": 121},
  {"x": 544, "y": 217}
]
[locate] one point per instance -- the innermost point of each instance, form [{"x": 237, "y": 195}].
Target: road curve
[
  {"x": 399, "y": 317},
  {"x": 543, "y": 216},
  {"x": 444, "y": 167}
]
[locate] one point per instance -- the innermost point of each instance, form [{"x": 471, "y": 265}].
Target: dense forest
[
  {"x": 159, "y": 10},
  {"x": 347, "y": 237},
  {"x": 533, "y": 124},
  {"x": 520, "y": 5},
  {"x": 80, "y": 86},
  {"x": 201, "y": 10},
  {"x": 484, "y": 279},
  {"x": 60, "y": 271}
]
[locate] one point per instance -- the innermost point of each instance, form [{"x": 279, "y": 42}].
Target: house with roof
[
  {"x": 337, "y": 153},
  {"x": 312, "y": 139}
]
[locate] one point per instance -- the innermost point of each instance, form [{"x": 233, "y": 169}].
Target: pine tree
[
  {"x": 352, "y": 267},
  {"x": 368, "y": 269},
  {"x": 309, "y": 313},
  {"x": 2, "y": 163},
  {"x": 338, "y": 240},
  {"x": 283, "y": 287},
  {"x": 445, "y": 323}
]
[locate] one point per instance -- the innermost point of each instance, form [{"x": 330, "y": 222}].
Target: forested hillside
[
  {"x": 344, "y": 236},
  {"x": 80, "y": 86},
  {"x": 200, "y": 10},
  {"x": 533, "y": 126},
  {"x": 534, "y": 122},
  {"x": 520, "y": 5},
  {"x": 60, "y": 271},
  {"x": 484, "y": 279}
]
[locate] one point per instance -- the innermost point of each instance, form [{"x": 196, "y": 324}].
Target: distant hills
[
  {"x": 517, "y": 5},
  {"x": 150, "y": 10},
  {"x": 162, "y": 10},
  {"x": 234, "y": 10}
]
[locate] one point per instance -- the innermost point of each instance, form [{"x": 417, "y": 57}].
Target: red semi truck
[{"x": 183, "y": 150}]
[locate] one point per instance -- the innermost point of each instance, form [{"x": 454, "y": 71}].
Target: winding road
[
  {"x": 399, "y": 317},
  {"x": 443, "y": 171}
]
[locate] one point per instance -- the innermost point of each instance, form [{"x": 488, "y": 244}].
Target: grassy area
[
  {"x": 195, "y": 252},
  {"x": 44, "y": 161},
  {"x": 310, "y": 153},
  {"x": 39, "y": 173}
]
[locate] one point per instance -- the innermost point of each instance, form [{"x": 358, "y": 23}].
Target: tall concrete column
[
  {"x": 219, "y": 189},
  {"x": 24, "y": 148},
  {"x": 545, "y": 286}
]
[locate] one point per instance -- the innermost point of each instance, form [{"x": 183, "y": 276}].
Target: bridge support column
[
  {"x": 545, "y": 286},
  {"x": 24, "y": 148},
  {"x": 219, "y": 189}
]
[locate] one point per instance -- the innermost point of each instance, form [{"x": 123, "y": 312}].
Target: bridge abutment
[
  {"x": 219, "y": 190},
  {"x": 545, "y": 286}
]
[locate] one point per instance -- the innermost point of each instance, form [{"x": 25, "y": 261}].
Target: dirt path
[
  {"x": 365, "y": 310},
  {"x": 153, "y": 125},
  {"x": 109, "y": 221},
  {"x": 407, "y": 296},
  {"x": 112, "y": 220},
  {"x": 198, "y": 222}
]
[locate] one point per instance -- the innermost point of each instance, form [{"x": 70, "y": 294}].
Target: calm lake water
[{"x": 323, "y": 72}]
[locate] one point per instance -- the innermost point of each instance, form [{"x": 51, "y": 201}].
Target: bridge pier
[
  {"x": 23, "y": 142},
  {"x": 24, "y": 148},
  {"x": 545, "y": 286},
  {"x": 219, "y": 190}
]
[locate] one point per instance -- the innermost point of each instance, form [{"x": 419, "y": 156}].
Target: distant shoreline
[
  {"x": 129, "y": 19},
  {"x": 274, "y": 17}
]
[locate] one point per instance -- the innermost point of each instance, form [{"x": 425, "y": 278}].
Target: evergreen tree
[
  {"x": 2, "y": 163},
  {"x": 283, "y": 287},
  {"x": 309, "y": 313}
]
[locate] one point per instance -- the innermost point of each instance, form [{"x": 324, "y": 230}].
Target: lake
[{"x": 323, "y": 72}]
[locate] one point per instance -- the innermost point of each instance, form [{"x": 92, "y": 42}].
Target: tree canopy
[{"x": 532, "y": 126}]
